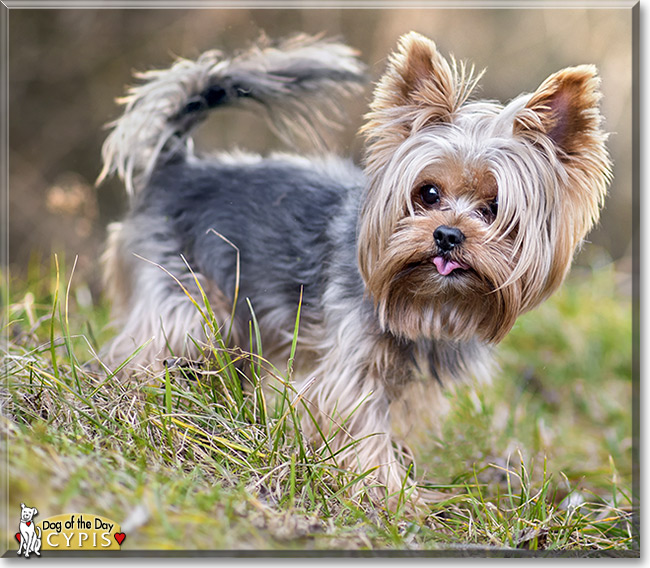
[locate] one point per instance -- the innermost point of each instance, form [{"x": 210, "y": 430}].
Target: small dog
[
  {"x": 466, "y": 214},
  {"x": 30, "y": 534}
]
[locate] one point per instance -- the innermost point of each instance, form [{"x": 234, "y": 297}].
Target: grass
[{"x": 540, "y": 460}]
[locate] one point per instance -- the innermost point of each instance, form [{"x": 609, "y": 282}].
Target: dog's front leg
[
  {"x": 29, "y": 544},
  {"x": 348, "y": 414}
]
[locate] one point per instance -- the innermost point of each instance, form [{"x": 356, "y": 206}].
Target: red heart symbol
[
  {"x": 28, "y": 523},
  {"x": 18, "y": 537},
  {"x": 119, "y": 537}
]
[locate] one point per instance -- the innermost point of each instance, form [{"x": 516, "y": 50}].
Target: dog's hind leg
[
  {"x": 37, "y": 541},
  {"x": 158, "y": 300}
]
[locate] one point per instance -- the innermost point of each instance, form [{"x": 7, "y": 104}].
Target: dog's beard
[{"x": 465, "y": 294}]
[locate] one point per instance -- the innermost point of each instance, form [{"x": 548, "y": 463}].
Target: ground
[{"x": 541, "y": 459}]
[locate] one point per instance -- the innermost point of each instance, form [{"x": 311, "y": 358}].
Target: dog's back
[{"x": 204, "y": 219}]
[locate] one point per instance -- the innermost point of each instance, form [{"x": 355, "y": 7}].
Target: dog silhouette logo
[{"x": 29, "y": 535}]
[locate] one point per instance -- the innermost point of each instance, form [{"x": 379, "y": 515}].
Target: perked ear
[
  {"x": 419, "y": 87},
  {"x": 565, "y": 109},
  {"x": 416, "y": 75}
]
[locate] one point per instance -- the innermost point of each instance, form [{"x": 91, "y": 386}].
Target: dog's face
[
  {"x": 474, "y": 210},
  {"x": 27, "y": 513}
]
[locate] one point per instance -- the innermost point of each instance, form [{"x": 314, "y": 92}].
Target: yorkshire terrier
[{"x": 465, "y": 214}]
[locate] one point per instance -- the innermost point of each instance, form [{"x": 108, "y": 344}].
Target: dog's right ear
[
  {"x": 22, "y": 505},
  {"x": 419, "y": 87},
  {"x": 416, "y": 75}
]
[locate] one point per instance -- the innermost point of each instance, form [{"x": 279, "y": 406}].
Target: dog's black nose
[{"x": 448, "y": 237}]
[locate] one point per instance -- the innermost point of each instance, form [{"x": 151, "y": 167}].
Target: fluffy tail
[{"x": 298, "y": 83}]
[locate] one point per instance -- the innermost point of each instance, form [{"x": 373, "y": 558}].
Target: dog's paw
[{"x": 182, "y": 363}]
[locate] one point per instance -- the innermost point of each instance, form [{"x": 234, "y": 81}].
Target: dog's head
[
  {"x": 27, "y": 513},
  {"x": 474, "y": 210}
]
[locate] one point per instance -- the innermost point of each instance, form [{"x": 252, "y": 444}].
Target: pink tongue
[{"x": 446, "y": 267}]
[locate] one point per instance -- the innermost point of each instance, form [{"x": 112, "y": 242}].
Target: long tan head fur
[{"x": 521, "y": 183}]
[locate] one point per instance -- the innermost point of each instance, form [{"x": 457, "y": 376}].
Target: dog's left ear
[
  {"x": 562, "y": 118},
  {"x": 565, "y": 109}
]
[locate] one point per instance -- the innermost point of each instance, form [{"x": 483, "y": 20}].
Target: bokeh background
[{"x": 67, "y": 67}]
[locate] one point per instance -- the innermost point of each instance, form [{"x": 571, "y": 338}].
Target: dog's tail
[{"x": 298, "y": 83}]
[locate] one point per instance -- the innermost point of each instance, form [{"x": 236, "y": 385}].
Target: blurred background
[{"x": 68, "y": 66}]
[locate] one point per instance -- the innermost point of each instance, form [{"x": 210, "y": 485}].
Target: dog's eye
[
  {"x": 430, "y": 194},
  {"x": 489, "y": 212}
]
